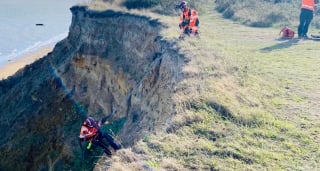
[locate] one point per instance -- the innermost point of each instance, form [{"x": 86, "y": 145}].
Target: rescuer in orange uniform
[
  {"x": 308, "y": 8},
  {"x": 189, "y": 21},
  {"x": 194, "y": 22}
]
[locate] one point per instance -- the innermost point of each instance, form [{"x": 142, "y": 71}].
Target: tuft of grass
[{"x": 171, "y": 164}]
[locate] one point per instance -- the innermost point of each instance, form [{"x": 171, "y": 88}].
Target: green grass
[
  {"x": 266, "y": 86},
  {"x": 252, "y": 102}
]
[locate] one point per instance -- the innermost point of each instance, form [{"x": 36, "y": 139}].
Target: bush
[
  {"x": 261, "y": 24},
  {"x": 139, "y": 4},
  {"x": 224, "y": 5},
  {"x": 166, "y": 7},
  {"x": 260, "y": 13},
  {"x": 275, "y": 17},
  {"x": 228, "y": 13}
]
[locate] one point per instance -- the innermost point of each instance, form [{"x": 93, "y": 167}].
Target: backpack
[{"x": 287, "y": 33}]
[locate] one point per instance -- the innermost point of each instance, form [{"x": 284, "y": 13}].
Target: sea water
[{"x": 19, "y": 33}]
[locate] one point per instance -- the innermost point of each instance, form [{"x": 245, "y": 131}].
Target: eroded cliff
[{"x": 110, "y": 60}]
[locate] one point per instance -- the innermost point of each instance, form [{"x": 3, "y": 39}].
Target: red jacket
[{"x": 88, "y": 133}]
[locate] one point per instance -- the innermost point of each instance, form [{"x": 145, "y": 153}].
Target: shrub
[
  {"x": 166, "y": 7},
  {"x": 139, "y": 4},
  {"x": 261, "y": 24},
  {"x": 260, "y": 13},
  {"x": 228, "y": 13}
]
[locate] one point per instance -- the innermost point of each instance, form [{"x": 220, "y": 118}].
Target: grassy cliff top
[
  {"x": 247, "y": 102},
  {"x": 255, "y": 13}
]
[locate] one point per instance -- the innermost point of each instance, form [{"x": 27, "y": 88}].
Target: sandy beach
[{"x": 14, "y": 65}]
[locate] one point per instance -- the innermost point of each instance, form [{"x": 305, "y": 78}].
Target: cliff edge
[{"x": 109, "y": 60}]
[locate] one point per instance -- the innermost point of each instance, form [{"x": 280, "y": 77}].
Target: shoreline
[{"x": 12, "y": 66}]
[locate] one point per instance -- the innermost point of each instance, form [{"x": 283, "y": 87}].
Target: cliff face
[{"x": 109, "y": 60}]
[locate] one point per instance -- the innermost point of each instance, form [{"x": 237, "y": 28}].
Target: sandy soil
[{"x": 13, "y": 66}]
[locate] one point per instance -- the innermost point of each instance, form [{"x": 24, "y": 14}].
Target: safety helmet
[
  {"x": 194, "y": 12},
  {"x": 88, "y": 122},
  {"x": 183, "y": 4}
]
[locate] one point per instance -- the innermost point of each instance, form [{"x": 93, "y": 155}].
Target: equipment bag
[{"x": 287, "y": 33}]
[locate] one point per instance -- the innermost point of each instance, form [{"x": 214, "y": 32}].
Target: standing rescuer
[
  {"x": 90, "y": 131},
  {"x": 308, "y": 8}
]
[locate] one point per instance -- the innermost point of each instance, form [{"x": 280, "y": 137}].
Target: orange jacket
[
  {"x": 88, "y": 133},
  {"x": 185, "y": 16},
  {"x": 193, "y": 18},
  {"x": 308, "y": 4},
  {"x": 194, "y": 21}
]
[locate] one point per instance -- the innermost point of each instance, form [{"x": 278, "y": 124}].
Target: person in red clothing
[
  {"x": 308, "y": 8},
  {"x": 89, "y": 129},
  {"x": 90, "y": 132}
]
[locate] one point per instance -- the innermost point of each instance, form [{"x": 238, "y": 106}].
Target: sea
[{"x": 29, "y": 25}]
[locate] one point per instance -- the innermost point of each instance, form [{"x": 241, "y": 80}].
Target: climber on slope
[{"x": 90, "y": 131}]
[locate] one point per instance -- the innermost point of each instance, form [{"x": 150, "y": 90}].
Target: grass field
[{"x": 248, "y": 102}]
